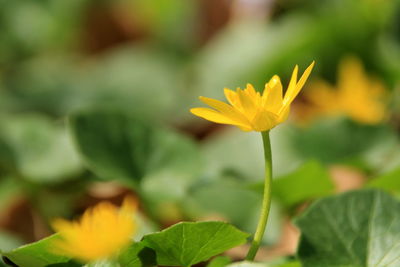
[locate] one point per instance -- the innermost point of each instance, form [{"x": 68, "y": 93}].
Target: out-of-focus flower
[
  {"x": 101, "y": 232},
  {"x": 356, "y": 95},
  {"x": 251, "y": 111}
]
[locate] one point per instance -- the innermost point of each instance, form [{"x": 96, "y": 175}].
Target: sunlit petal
[
  {"x": 284, "y": 114},
  {"x": 272, "y": 95},
  {"x": 291, "y": 94},
  {"x": 250, "y": 90},
  {"x": 247, "y": 103},
  {"x": 293, "y": 81},
  {"x": 264, "y": 121},
  {"x": 232, "y": 98},
  {"x": 215, "y": 116},
  {"x": 225, "y": 109}
]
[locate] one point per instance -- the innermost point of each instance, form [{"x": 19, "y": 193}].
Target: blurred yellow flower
[
  {"x": 251, "y": 111},
  {"x": 357, "y": 95},
  {"x": 101, "y": 232}
]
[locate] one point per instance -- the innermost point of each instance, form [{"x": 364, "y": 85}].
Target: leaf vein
[
  {"x": 209, "y": 240},
  {"x": 370, "y": 222},
  {"x": 340, "y": 237},
  {"x": 392, "y": 246}
]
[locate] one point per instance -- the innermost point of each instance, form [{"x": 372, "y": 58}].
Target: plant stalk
[{"x": 266, "y": 204}]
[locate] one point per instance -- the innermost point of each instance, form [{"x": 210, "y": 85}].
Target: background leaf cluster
[{"x": 94, "y": 99}]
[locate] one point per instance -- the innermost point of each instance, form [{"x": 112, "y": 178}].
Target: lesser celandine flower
[
  {"x": 251, "y": 111},
  {"x": 356, "y": 95},
  {"x": 100, "y": 233}
]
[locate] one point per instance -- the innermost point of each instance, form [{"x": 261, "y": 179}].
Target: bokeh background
[{"x": 128, "y": 71}]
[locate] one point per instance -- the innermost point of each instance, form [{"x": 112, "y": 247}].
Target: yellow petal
[
  {"x": 225, "y": 109},
  {"x": 101, "y": 233},
  {"x": 247, "y": 102},
  {"x": 129, "y": 205},
  {"x": 272, "y": 96},
  {"x": 214, "y": 116},
  {"x": 320, "y": 93},
  {"x": 250, "y": 90},
  {"x": 352, "y": 76},
  {"x": 246, "y": 129},
  {"x": 60, "y": 225},
  {"x": 284, "y": 114},
  {"x": 264, "y": 120},
  {"x": 232, "y": 98},
  {"x": 253, "y": 94},
  {"x": 293, "y": 81},
  {"x": 293, "y": 91},
  {"x": 371, "y": 113},
  {"x": 249, "y": 110},
  {"x": 377, "y": 89}
]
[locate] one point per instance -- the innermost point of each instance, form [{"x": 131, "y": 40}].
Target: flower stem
[{"x": 266, "y": 204}]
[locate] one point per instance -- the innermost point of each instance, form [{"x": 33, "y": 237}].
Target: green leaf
[
  {"x": 388, "y": 181},
  {"x": 236, "y": 204},
  {"x": 42, "y": 148},
  {"x": 115, "y": 145},
  {"x": 149, "y": 90},
  {"x": 289, "y": 264},
  {"x": 31, "y": 88},
  {"x": 308, "y": 182},
  {"x": 38, "y": 254},
  {"x": 338, "y": 140},
  {"x": 357, "y": 229},
  {"x": 188, "y": 243},
  {"x": 219, "y": 261},
  {"x": 137, "y": 255}
]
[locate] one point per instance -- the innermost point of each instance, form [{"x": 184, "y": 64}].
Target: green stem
[{"x": 266, "y": 204}]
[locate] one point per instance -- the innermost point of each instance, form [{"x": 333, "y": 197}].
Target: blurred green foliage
[
  {"x": 310, "y": 181},
  {"x": 129, "y": 70}
]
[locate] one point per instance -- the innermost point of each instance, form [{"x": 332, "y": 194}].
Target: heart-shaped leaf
[
  {"x": 188, "y": 243},
  {"x": 357, "y": 229},
  {"x": 117, "y": 146}
]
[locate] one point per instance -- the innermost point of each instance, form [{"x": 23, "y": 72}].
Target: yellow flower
[
  {"x": 101, "y": 232},
  {"x": 251, "y": 111},
  {"x": 357, "y": 95}
]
